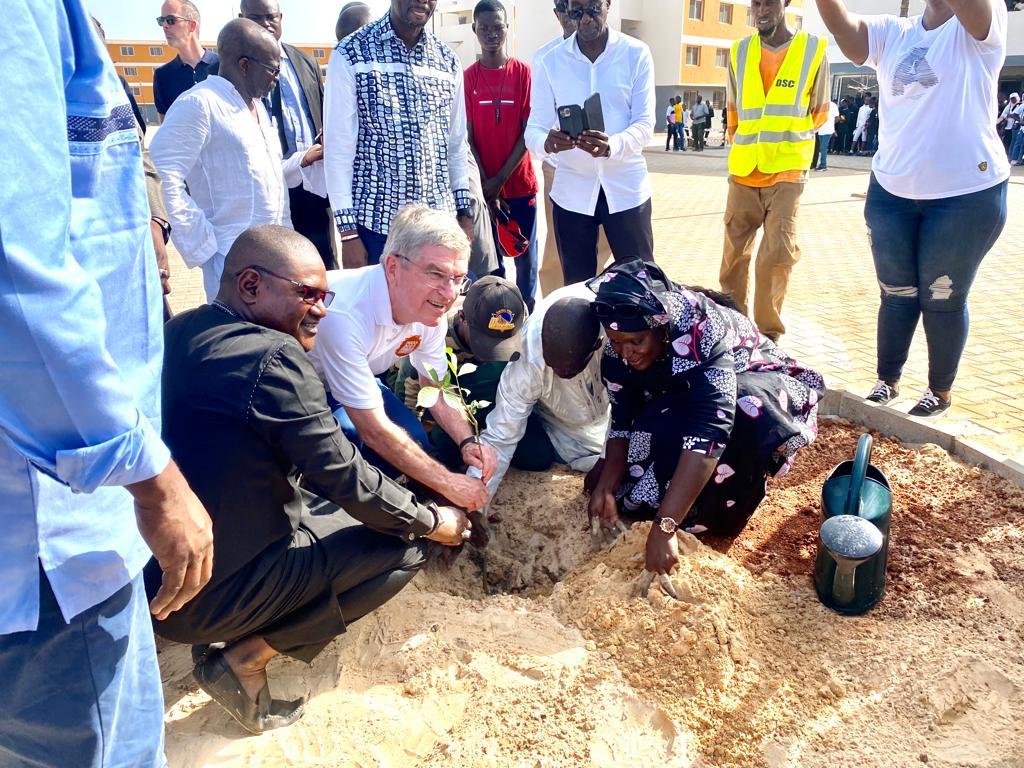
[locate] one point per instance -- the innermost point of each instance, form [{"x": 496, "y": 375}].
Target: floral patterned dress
[{"x": 723, "y": 390}]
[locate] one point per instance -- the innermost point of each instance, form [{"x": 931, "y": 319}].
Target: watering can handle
[{"x": 860, "y": 467}]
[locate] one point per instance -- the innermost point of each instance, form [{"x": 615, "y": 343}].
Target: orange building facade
[
  {"x": 709, "y": 29},
  {"x": 136, "y": 60}
]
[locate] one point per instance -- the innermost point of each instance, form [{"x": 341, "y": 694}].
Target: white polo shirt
[{"x": 360, "y": 339}]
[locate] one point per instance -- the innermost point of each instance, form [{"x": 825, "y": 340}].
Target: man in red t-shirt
[{"x": 497, "y": 107}]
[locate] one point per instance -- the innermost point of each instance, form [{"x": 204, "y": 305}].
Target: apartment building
[{"x": 135, "y": 60}]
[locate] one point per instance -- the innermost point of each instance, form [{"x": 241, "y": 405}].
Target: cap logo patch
[
  {"x": 408, "y": 346},
  {"x": 502, "y": 320},
  {"x": 983, "y": 166}
]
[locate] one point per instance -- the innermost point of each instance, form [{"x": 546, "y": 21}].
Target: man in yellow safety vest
[{"x": 776, "y": 98}]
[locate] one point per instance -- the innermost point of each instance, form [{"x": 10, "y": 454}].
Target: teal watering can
[{"x": 853, "y": 541}]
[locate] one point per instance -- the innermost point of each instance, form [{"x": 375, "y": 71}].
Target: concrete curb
[{"x": 839, "y": 403}]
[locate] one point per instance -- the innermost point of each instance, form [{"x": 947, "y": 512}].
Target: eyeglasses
[
  {"x": 561, "y": 8},
  {"x": 275, "y": 71},
  {"x": 439, "y": 280},
  {"x": 593, "y": 12},
  {"x": 261, "y": 17},
  {"x": 170, "y": 21},
  {"x": 310, "y": 293}
]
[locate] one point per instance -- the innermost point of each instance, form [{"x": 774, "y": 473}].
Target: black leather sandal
[{"x": 216, "y": 677}]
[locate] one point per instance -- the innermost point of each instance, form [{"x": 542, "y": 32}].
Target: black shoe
[
  {"x": 883, "y": 393},
  {"x": 216, "y": 677},
  {"x": 930, "y": 404},
  {"x": 202, "y": 650}
]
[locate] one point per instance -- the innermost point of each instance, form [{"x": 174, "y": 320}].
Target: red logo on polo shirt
[{"x": 408, "y": 346}]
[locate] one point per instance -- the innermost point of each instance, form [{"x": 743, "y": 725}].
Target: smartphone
[
  {"x": 593, "y": 114},
  {"x": 571, "y": 120}
]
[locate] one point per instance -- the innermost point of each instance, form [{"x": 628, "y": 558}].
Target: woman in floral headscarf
[{"x": 704, "y": 408}]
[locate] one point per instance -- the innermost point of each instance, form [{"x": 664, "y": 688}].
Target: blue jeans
[
  {"x": 374, "y": 243},
  {"x": 1017, "y": 146},
  {"x": 397, "y": 413},
  {"x": 523, "y": 210},
  {"x": 822, "y": 148},
  {"x": 85, "y": 693},
  {"x": 926, "y": 254}
]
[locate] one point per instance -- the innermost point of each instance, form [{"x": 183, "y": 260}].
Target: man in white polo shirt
[{"x": 389, "y": 311}]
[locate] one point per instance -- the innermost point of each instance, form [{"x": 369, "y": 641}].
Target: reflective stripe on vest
[{"x": 775, "y": 131}]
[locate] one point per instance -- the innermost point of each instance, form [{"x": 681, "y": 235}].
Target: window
[
  {"x": 693, "y": 56},
  {"x": 697, "y": 9},
  {"x": 725, "y": 13},
  {"x": 127, "y": 50},
  {"x": 318, "y": 53},
  {"x": 136, "y": 91},
  {"x": 131, "y": 71},
  {"x": 156, "y": 50},
  {"x": 722, "y": 58},
  {"x": 750, "y": 18}
]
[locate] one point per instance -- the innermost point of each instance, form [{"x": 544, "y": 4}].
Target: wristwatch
[
  {"x": 666, "y": 524},
  {"x": 468, "y": 211}
]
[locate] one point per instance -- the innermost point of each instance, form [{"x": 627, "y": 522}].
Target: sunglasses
[
  {"x": 170, "y": 21},
  {"x": 604, "y": 310},
  {"x": 593, "y": 12},
  {"x": 275, "y": 71},
  {"x": 310, "y": 293}
]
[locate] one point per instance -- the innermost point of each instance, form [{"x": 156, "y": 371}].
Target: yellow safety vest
[{"x": 774, "y": 132}]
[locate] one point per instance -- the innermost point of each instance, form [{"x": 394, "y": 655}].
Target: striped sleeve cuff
[{"x": 462, "y": 199}]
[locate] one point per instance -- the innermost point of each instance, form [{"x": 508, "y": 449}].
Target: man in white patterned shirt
[{"x": 395, "y": 128}]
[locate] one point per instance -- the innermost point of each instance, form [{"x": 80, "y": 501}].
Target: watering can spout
[{"x": 853, "y": 541}]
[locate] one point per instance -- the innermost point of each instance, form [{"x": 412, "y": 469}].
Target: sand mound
[{"x": 748, "y": 669}]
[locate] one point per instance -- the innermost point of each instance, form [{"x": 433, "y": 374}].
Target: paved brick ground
[{"x": 833, "y": 297}]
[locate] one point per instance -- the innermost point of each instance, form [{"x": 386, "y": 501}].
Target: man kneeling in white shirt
[
  {"x": 558, "y": 376},
  {"x": 395, "y": 309}
]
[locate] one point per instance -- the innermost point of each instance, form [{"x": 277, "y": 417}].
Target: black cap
[{"x": 495, "y": 312}]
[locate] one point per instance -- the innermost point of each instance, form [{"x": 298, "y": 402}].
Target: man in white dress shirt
[
  {"x": 218, "y": 140},
  {"x": 601, "y": 180},
  {"x": 558, "y": 376},
  {"x": 387, "y": 312}
]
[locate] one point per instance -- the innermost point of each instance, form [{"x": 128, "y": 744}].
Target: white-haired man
[{"x": 392, "y": 310}]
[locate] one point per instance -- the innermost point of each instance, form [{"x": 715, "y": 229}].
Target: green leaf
[
  {"x": 433, "y": 375},
  {"x": 448, "y": 380},
  {"x": 466, "y": 369},
  {"x": 427, "y": 397},
  {"x": 453, "y": 400}
]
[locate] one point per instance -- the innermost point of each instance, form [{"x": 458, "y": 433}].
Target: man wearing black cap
[{"x": 485, "y": 332}]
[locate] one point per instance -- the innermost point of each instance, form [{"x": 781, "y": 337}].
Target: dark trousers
[
  {"x": 311, "y": 218},
  {"x": 300, "y": 595},
  {"x": 698, "y": 134},
  {"x": 84, "y": 693},
  {"x": 671, "y": 136},
  {"x": 374, "y": 243},
  {"x": 926, "y": 259},
  {"x": 523, "y": 211},
  {"x": 628, "y": 232}
]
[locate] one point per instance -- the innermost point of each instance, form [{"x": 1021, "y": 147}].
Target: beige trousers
[
  {"x": 775, "y": 209},
  {"x": 550, "y": 274}
]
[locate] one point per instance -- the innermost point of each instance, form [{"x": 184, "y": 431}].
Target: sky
[{"x": 305, "y": 21}]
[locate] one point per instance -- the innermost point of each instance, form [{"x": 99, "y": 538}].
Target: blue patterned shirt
[
  {"x": 80, "y": 319},
  {"x": 394, "y": 126}
]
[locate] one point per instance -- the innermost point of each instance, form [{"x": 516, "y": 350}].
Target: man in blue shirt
[{"x": 80, "y": 319}]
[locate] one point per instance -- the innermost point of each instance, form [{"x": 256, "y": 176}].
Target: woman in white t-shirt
[{"x": 937, "y": 198}]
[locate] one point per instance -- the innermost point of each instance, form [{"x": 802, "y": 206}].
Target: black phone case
[
  {"x": 571, "y": 120},
  {"x": 593, "y": 114}
]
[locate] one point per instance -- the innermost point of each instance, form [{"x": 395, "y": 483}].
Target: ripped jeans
[{"x": 926, "y": 254}]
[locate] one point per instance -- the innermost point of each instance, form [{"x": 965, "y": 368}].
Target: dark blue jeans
[
  {"x": 399, "y": 414},
  {"x": 926, "y": 254},
  {"x": 821, "y": 148},
  {"x": 86, "y": 692}
]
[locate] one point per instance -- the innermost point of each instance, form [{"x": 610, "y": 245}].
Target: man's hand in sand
[
  {"x": 453, "y": 529},
  {"x": 481, "y": 456},
  {"x": 592, "y": 477},
  {"x": 602, "y": 508},
  {"x": 467, "y": 492}
]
